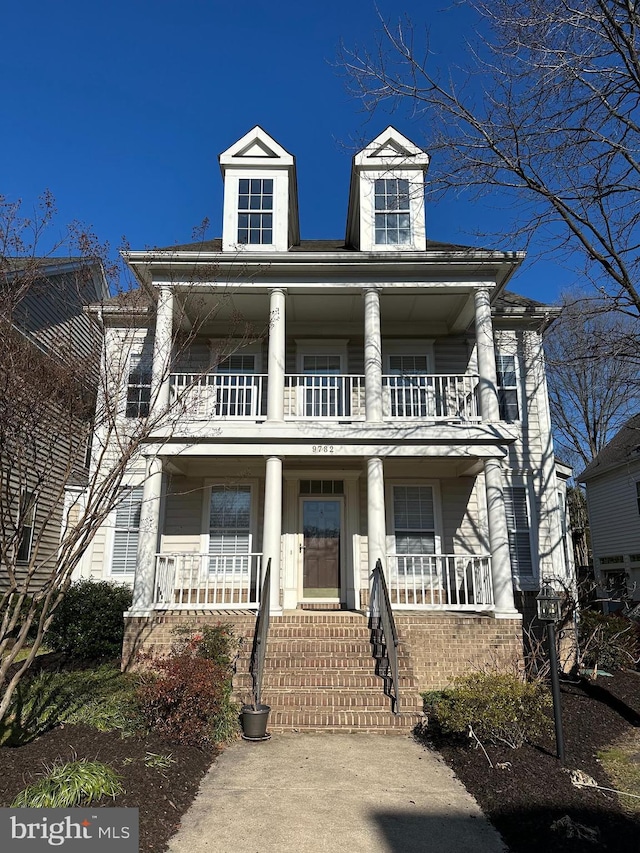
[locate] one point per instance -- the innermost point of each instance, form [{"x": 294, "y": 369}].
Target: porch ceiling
[{"x": 313, "y": 308}]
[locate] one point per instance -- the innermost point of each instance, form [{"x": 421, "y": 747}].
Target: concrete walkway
[{"x": 330, "y": 792}]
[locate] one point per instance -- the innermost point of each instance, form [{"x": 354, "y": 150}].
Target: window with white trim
[
  {"x": 126, "y": 532},
  {"x": 255, "y": 211},
  {"x": 229, "y": 528},
  {"x": 638, "y": 495},
  {"x": 414, "y": 519},
  {"x": 139, "y": 386},
  {"x": 26, "y": 526},
  {"x": 519, "y": 527},
  {"x": 409, "y": 391},
  {"x": 392, "y": 211},
  {"x": 507, "y": 387}
]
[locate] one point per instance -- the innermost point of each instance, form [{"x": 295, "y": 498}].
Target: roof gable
[
  {"x": 256, "y": 144},
  {"x": 391, "y": 148}
]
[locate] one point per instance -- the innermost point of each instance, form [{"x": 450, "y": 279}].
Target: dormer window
[
  {"x": 392, "y": 211},
  {"x": 255, "y": 211}
]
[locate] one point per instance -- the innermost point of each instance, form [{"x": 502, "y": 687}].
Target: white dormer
[
  {"x": 386, "y": 197},
  {"x": 260, "y": 195}
]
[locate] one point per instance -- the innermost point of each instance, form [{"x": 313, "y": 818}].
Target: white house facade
[{"x": 339, "y": 402}]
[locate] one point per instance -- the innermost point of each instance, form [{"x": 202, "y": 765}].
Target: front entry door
[{"x": 321, "y": 565}]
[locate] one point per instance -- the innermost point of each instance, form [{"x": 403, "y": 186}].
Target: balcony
[{"x": 308, "y": 396}]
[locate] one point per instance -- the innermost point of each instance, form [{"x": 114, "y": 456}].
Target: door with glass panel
[
  {"x": 237, "y": 395},
  {"x": 321, "y": 524},
  {"x": 410, "y": 389},
  {"x": 324, "y": 387}
]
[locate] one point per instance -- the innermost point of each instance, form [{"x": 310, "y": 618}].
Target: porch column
[
  {"x": 499, "y": 541},
  {"x": 372, "y": 356},
  {"x": 148, "y": 538},
  {"x": 485, "y": 346},
  {"x": 272, "y": 527},
  {"x": 276, "y": 357},
  {"x": 162, "y": 343},
  {"x": 376, "y": 518}
]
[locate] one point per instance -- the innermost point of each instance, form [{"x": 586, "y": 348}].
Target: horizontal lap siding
[
  {"x": 613, "y": 513},
  {"x": 183, "y": 515},
  {"x": 452, "y": 355},
  {"x": 463, "y": 531}
]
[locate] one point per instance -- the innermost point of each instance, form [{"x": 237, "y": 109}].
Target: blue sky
[{"x": 121, "y": 108}]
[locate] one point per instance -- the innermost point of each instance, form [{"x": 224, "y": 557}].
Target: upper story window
[
  {"x": 507, "y": 387},
  {"x": 26, "y": 526},
  {"x": 392, "y": 211},
  {"x": 255, "y": 211},
  {"x": 139, "y": 386}
]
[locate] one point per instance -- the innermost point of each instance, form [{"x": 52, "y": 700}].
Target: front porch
[{"x": 420, "y": 582}]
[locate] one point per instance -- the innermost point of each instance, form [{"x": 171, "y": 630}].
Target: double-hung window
[
  {"x": 26, "y": 526},
  {"x": 392, "y": 211},
  {"x": 519, "y": 527},
  {"x": 126, "y": 532},
  {"x": 229, "y": 528},
  {"x": 414, "y": 528},
  {"x": 325, "y": 388},
  {"x": 139, "y": 386},
  {"x": 237, "y": 391},
  {"x": 507, "y": 387},
  {"x": 255, "y": 211}
]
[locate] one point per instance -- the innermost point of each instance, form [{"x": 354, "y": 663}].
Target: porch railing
[
  {"x": 431, "y": 397},
  {"x": 207, "y": 581},
  {"x": 382, "y": 620},
  {"x": 309, "y": 395},
  {"x": 439, "y": 582},
  {"x": 220, "y": 395}
]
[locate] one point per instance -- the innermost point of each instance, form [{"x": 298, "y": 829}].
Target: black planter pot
[{"x": 254, "y": 721}]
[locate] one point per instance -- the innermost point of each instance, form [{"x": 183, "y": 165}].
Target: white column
[
  {"x": 277, "y": 355},
  {"x": 376, "y": 518},
  {"x": 489, "y": 408},
  {"x": 499, "y": 540},
  {"x": 162, "y": 344},
  {"x": 148, "y": 537},
  {"x": 372, "y": 356},
  {"x": 272, "y": 527}
]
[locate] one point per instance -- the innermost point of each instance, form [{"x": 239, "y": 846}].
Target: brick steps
[{"x": 320, "y": 675}]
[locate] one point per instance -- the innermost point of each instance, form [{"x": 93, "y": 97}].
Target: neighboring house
[
  {"x": 49, "y": 351},
  {"x": 612, "y": 483},
  {"x": 393, "y": 408}
]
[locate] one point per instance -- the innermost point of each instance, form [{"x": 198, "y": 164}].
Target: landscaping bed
[
  {"x": 527, "y": 790},
  {"x": 162, "y": 789}
]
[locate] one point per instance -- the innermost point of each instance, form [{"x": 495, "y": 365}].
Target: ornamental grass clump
[
  {"x": 496, "y": 708},
  {"x": 76, "y": 783}
]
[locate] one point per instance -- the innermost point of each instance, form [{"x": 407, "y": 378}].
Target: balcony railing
[
  {"x": 220, "y": 395},
  {"x": 310, "y": 396},
  {"x": 207, "y": 581},
  {"x": 431, "y": 397},
  {"x": 439, "y": 582}
]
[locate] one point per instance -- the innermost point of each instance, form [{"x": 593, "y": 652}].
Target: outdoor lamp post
[{"x": 548, "y": 604}]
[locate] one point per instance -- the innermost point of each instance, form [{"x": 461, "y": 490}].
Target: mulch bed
[
  {"x": 161, "y": 795},
  {"x": 526, "y": 796}
]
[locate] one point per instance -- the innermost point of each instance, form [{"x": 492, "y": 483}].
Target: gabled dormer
[
  {"x": 260, "y": 195},
  {"x": 386, "y": 197}
]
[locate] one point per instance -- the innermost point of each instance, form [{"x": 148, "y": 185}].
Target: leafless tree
[
  {"x": 593, "y": 377},
  {"x": 57, "y": 403},
  {"x": 543, "y": 110}
]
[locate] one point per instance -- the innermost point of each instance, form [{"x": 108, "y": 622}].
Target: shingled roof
[
  {"x": 313, "y": 246},
  {"x": 622, "y": 448}
]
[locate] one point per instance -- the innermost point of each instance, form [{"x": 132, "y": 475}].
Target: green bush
[
  {"x": 497, "y": 706},
  {"x": 76, "y": 783},
  {"x": 607, "y": 642},
  {"x": 88, "y": 624},
  {"x": 216, "y": 643}
]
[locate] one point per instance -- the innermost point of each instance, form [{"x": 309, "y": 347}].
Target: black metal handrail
[
  {"x": 259, "y": 650},
  {"x": 381, "y": 610}
]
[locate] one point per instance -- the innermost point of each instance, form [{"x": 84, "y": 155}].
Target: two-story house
[{"x": 377, "y": 397}]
